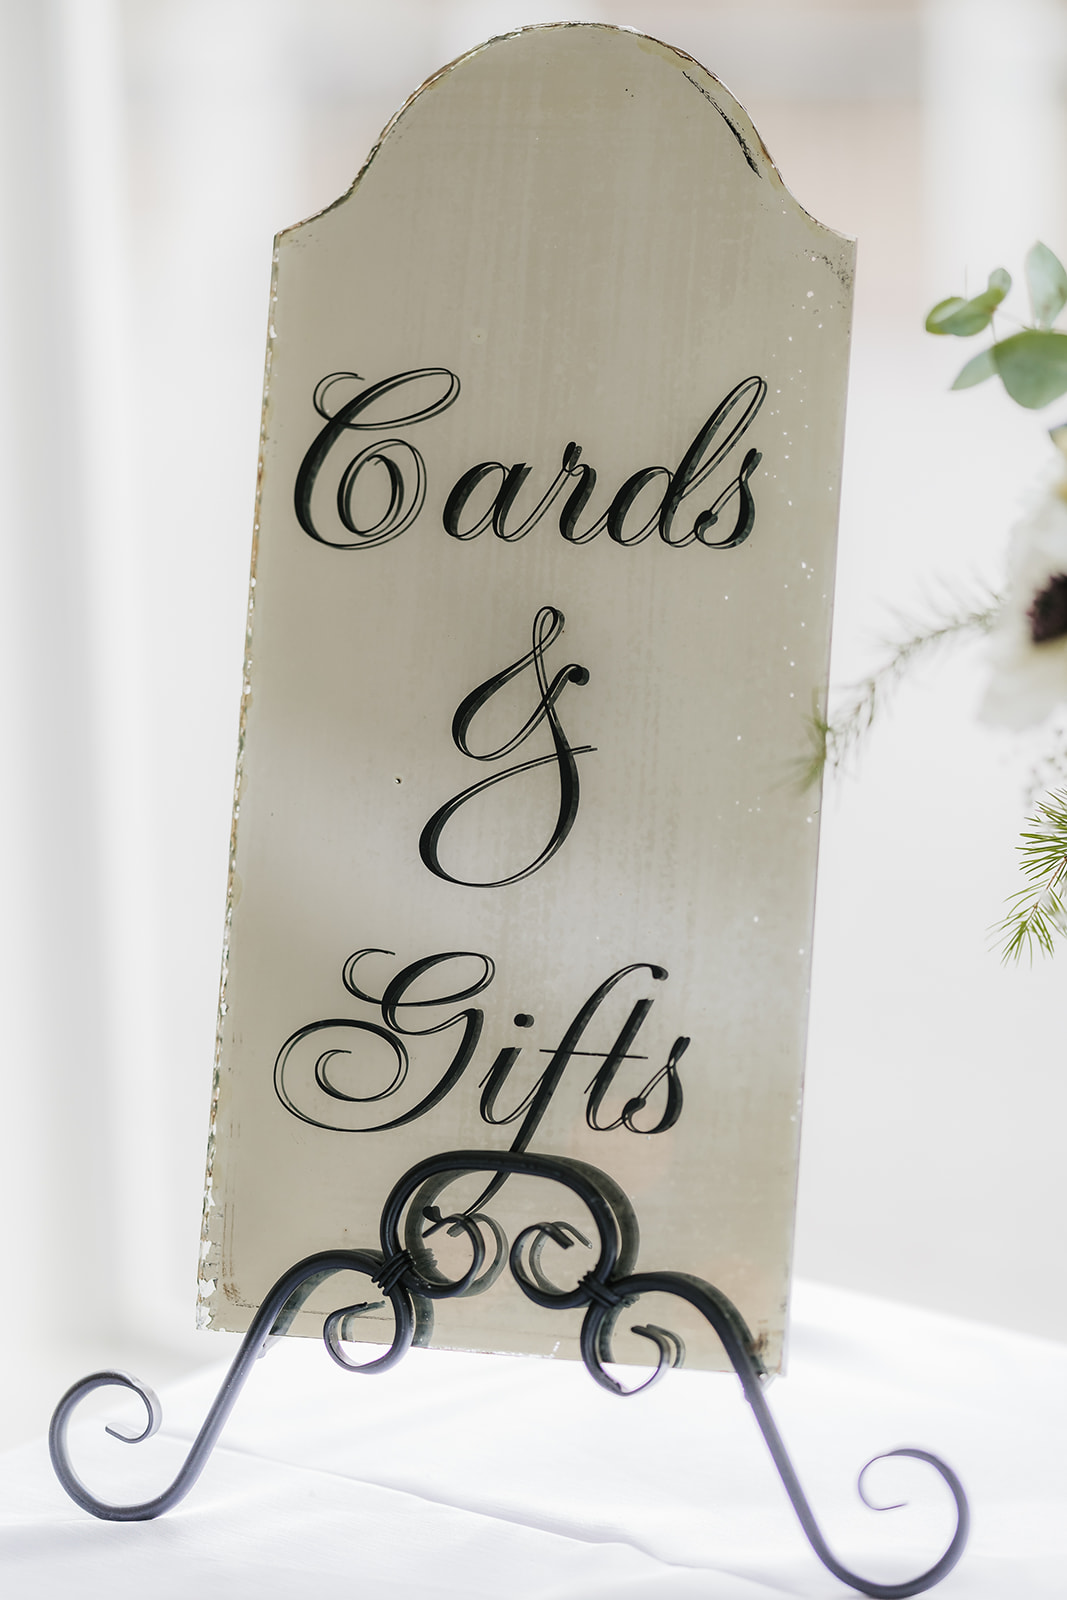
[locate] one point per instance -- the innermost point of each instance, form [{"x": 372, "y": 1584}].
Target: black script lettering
[
  {"x": 400, "y": 472},
  {"x": 305, "y": 1081},
  {"x": 746, "y": 508},
  {"x": 406, "y": 493},
  {"x": 606, "y": 1076},
  {"x": 696, "y": 465},
  {"x": 317, "y": 1102},
  {"x": 569, "y": 468},
  {"x": 578, "y": 498},
  {"x": 746, "y": 399},
  {"x": 620, "y": 506},
  {"x": 536, "y": 1102},
  {"x": 673, "y": 1109},
  {"x": 547, "y": 627},
  {"x": 511, "y": 481}
]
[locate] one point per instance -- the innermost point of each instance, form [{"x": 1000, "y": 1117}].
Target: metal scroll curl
[{"x": 404, "y": 1271}]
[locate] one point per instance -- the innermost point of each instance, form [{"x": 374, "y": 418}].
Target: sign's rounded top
[{"x": 574, "y": 73}]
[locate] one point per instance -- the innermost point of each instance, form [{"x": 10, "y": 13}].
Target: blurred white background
[{"x": 150, "y": 149}]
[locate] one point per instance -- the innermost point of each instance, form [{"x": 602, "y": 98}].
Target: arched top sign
[{"x": 541, "y": 597}]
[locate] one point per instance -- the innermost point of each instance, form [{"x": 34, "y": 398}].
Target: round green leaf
[
  {"x": 965, "y": 317},
  {"x": 943, "y": 309},
  {"x": 977, "y": 370},
  {"x": 994, "y": 292},
  {"x": 1047, "y": 282},
  {"x": 961, "y": 317},
  {"x": 1033, "y": 366}
]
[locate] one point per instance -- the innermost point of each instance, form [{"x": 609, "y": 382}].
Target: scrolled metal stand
[{"x": 404, "y": 1272}]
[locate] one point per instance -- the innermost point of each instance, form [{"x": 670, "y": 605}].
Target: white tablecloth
[{"x": 455, "y": 1477}]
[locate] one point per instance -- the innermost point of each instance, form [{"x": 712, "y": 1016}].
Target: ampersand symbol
[{"x": 547, "y": 627}]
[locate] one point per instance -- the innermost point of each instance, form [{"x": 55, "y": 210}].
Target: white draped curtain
[{"x": 149, "y": 151}]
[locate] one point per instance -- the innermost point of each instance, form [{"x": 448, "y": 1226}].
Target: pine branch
[
  {"x": 1037, "y": 915},
  {"x": 836, "y": 740}
]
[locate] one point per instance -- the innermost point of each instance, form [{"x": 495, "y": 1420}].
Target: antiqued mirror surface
[{"x": 541, "y": 599}]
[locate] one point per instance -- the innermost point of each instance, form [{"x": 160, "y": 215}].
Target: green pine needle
[
  {"x": 836, "y": 740},
  {"x": 1037, "y": 915}
]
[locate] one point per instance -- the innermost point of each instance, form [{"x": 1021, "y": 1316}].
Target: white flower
[{"x": 1028, "y": 644}]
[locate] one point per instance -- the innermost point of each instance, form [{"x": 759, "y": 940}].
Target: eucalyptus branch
[
  {"x": 1031, "y": 364},
  {"x": 1037, "y": 914},
  {"x": 836, "y": 739}
]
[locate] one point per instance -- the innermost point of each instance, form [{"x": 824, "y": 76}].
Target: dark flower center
[{"x": 1048, "y": 614}]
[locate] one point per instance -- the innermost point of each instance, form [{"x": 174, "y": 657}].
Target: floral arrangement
[{"x": 1025, "y": 621}]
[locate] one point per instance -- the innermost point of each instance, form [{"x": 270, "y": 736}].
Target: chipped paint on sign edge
[{"x": 211, "y": 1250}]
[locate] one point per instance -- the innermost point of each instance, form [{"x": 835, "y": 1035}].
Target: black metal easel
[{"x": 404, "y": 1271}]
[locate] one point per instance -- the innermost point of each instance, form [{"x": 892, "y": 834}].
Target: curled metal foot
[
  {"x": 740, "y": 1347},
  {"x": 880, "y": 1591},
  {"x": 273, "y": 1317}
]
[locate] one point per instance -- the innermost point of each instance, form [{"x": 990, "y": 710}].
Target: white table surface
[{"x": 469, "y": 1476}]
